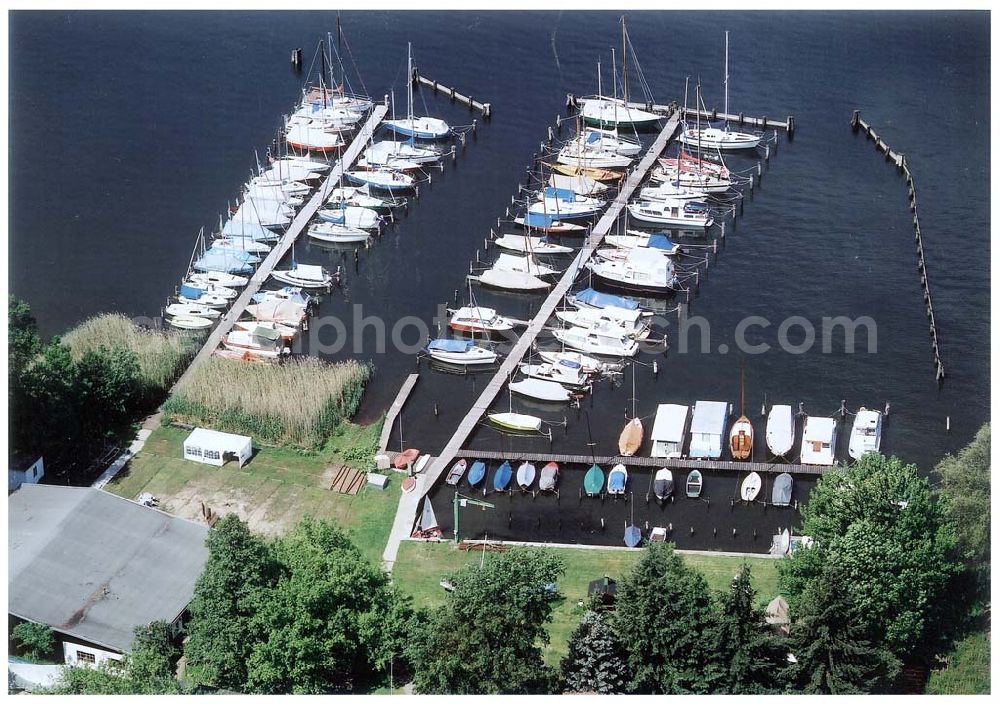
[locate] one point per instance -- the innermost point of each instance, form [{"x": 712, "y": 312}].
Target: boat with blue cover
[
  {"x": 548, "y": 223},
  {"x": 459, "y": 351},
  {"x": 477, "y": 472},
  {"x": 599, "y": 300},
  {"x": 502, "y": 476},
  {"x": 633, "y": 536},
  {"x": 617, "y": 480}
]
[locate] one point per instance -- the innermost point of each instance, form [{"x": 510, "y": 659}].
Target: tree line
[{"x": 896, "y": 571}]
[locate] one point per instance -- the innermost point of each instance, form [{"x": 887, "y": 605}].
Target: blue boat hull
[
  {"x": 501, "y": 479},
  {"x": 477, "y": 473}
]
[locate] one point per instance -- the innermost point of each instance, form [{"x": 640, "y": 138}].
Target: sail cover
[
  {"x": 660, "y": 242},
  {"x": 561, "y": 194},
  {"x": 450, "y": 345}
]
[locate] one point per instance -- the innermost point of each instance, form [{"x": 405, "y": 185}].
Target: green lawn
[
  {"x": 967, "y": 669},
  {"x": 274, "y": 490},
  {"x": 420, "y": 567}
]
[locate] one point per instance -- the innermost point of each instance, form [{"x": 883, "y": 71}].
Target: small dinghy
[
  {"x": 866, "y": 433},
  {"x": 780, "y": 432},
  {"x": 546, "y": 391},
  {"x": 477, "y": 472},
  {"x": 502, "y": 476},
  {"x": 548, "y": 479},
  {"x": 750, "y": 486},
  {"x": 633, "y": 536},
  {"x": 189, "y": 322},
  {"x": 456, "y": 472},
  {"x": 630, "y": 439},
  {"x": 516, "y": 422},
  {"x": 191, "y": 310},
  {"x": 406, "y": 457},
  {"x": 694, "y": 484},
  {"x": 663, "y": 484},
  {"x": 525, "y": 475},
  {"x": 593, "y": 480},
  {"x": 421, "y": 463},
  {"x": 617, "y": 480},
  {"x": 459, "y": 352},
  {"x": 781, "y": 493},
  {"x": 314, "y": 276}
]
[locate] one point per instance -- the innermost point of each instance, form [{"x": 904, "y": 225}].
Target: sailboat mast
[
  {"x": 409, "y": 83},
  {"x": 343, "y": 70},
  {"x": 624, "y": 66},
  {"x": 726, "y": 81},
  {"x": 599, "y": 78},
  {"x": 614, "y": 77},
  {"x": 322, "y": 71}
]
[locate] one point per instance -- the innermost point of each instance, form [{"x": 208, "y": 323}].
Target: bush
[
  {"x": 35, "y": 641},
  {"x": 301, "y": 401}
]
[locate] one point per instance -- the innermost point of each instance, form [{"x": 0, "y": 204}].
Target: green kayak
[{"x": 593, "y": 482}]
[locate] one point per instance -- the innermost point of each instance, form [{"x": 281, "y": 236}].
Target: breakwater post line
[
  {"x": 485, "y": 108},
  {"x": 899, "y": 159},
  {"x": 294, "y": 230}
]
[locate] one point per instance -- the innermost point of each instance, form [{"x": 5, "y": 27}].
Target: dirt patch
[{"x": 257, "y": 512}]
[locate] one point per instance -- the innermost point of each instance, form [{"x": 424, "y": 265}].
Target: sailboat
[
  {"x": 614, "y": 112},
  {"x": 522, "y": 243},
  {"x": 617, "y": 480},
  {"x": 477, "y": 472},
  {"x": 501, "y": 477},
  {"x": 525, "y": 475},
  {"x": 750, "y": 486},
  {"x": 781, "y": 494},
  {"x": 479, "y": 319},
  {"x": 549, "y": 478},
  {"x": 327, "y": 232},
  {"x": 780, "y": 432},
  {"x": 460, "y": 351},
  {"x": 515, "y": 421},
  {"x": 720, "y": 138},
  {"x": 593, "y": 480},
  {"x": 424, "y": 127},
  {"x": 630, "y": 439},
  {"x": 741, "y": 433},
  {"x": 544, "y": 390}
]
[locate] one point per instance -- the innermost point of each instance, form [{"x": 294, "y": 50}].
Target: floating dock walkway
[
  {"x": 775, "y": 467},
  {"x": 537, "y": 324},
  {"x": 294, "y": 230},
  {"x": 485, "y": 108},
  {"x": 395, "y": 409},
  {"x": 899, "y": 160}
]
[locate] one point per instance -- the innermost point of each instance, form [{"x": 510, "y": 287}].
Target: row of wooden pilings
[{"x": 900, "y": 161}]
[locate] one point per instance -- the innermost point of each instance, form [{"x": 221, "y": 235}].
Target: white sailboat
[
  {"x": 523, "y": 263},
  {"x": 423, "y": 127},
  {"x": 587, "y": 364},
  {"x": 337, "y": 233},
  {"x": 577, "y": 153},
  {"x": 179, "y": 309},
  {"x": 387, "y": 179},
  {"x": 579, "y": 183},
  {"x": 546, "y": 391},
  {"x": 720, "y": 138},
  {"x": 657, "y": 242},
  {"x": 460, "y": 351},
  {"x": 780, "y": 430},
  {"x": 614, "y": 112},
  {"x": 353, "y": 216},
  {"x": 538, "y": 245},
  {"x": 218, "y": 278},
  {"x": 510, "y": 280},
  {"x": 394, "y": 153}
]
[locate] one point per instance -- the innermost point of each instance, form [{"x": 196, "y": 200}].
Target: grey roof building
[{"x": 94, "y": 566}]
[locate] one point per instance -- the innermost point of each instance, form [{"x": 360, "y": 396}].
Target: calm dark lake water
[{"x": 154, "y": 118}]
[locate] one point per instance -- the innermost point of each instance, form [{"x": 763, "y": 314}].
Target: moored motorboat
[
  {"x": 663, "y": 484},
  {"x": 267, "y": 328},
  {"x": 564, "y": 372},
  {"x": 866, "y": 433},
  {"x": 478, "y": 320},
  {"x": 179, "y": 309},
  {"x": 592, "y": 342},
  {"x": 521, "y": 243},
  {"x": 588, "y": 364},
  {"x": 617, "y": 480},
  {"x": 750, "y": 486},
  {"x": 641, "y": 271},
  {"x": 819, "y": 441},
  {"x": 544, "y": 390},
  {"x": 327, "y": 232},
  {"x": 672, "y": 212},
  {"x": 264, "y": 344},
  {"x": 312, "y": 276}
]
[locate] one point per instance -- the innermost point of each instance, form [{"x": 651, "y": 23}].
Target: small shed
[
  {"x": 217, "y": 448},
  {"x": 776, "y": 615},
  {"x": 668, "y": 432},
  {"x": 708, "y": 429},
  {"x": 24, "y": 469}
]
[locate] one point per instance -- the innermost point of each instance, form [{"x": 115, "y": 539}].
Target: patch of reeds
[
  {"x": 162, "y": 355},
  {"x": 300, "y": 401}
]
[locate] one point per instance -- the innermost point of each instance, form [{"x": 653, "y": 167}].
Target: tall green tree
[
  {"x": 832, "y": 655},
  {"x": 595, "y": 661},
  {"x": 331, "y": 623},
  {"x": 663, "y": 618},
  {"x": 232, "y": 588},
  {"x": 51, "y": 402},
  {"x": 877, "y": 523},
  {"x": 488, "y": 636},
  {"x": 747, "y": 655},
  {"x": 965, "y": 490},
  {"x": 109, "y": 390},
  {"x": 34, "y": 641},
  {"x": 23, "y": 342}
]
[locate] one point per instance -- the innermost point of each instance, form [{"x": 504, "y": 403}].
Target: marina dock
[
  {"x": 776, "y": 467},
  {"x": 481, "y": 406},
  {"x": 294, "y": 230},
  {"x": 485, "y": 108},
  {"x": 394, "y": 410}
]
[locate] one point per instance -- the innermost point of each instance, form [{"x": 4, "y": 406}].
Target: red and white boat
[{"x": 479, "y": 320}]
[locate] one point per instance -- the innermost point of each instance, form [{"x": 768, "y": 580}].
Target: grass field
[
  {"x": 420, "y": 567},
  {"x": 272, "y": 492},
  {"x": 967, "y": 671}
]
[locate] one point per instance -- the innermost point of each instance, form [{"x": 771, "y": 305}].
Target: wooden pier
[
  {"x": 485, "y": 108},
  {"x": 899, "y": 160},
  {"x": 294, "y": 230},
  {"x": 776, "y": 467},
  {"x": 394, "y": 410},
  {"x": 481, "y": 406}
]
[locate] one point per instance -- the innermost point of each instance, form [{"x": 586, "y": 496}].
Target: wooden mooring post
[{"x": 858, "y": 123}]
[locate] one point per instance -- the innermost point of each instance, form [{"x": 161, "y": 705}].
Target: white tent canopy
[{"x": 212, "y": 447}]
